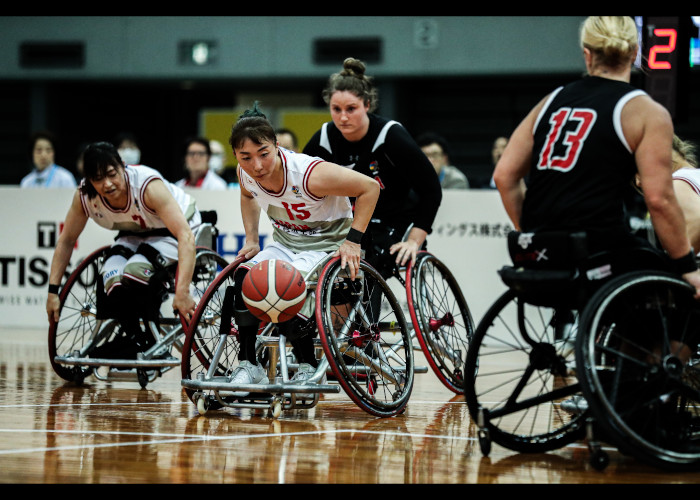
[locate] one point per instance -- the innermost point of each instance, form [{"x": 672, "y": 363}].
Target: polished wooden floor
[{"x": 116, "y": 432}]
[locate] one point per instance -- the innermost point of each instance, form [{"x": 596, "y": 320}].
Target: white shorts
[
  {"x": 137, "y": 267},
  {"x": 303, "y": 261}
]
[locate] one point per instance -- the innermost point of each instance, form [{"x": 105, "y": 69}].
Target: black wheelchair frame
[{"x": 603, "y": 331}]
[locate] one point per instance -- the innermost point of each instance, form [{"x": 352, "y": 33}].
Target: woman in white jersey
[
  {"x": 154, "y": 219},
  {"x": 307, "y": 201},
  {"x": 686, "y": 184}
]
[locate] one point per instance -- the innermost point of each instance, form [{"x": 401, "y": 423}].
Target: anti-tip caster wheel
[
  {"x": 599, "y": 460},
  {"x": 484, "y": 442},
  {"x": 202, "y": 404},
  {"x": 275, "y": 408},
  {"x": 142, "y": 375},
  {"x": 483, "y": 433}
]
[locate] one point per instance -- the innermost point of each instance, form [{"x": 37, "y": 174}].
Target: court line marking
[{"x": 188, "y": 438}]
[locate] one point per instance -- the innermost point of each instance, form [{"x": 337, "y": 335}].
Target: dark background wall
[{"x": 89, "y": 78}]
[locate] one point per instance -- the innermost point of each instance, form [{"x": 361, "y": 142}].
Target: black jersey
[
  {"x": 410, "y": 188},
  {"x": 581, "y": 162}
]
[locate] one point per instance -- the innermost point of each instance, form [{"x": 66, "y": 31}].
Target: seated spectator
[
  {"x": 199, "y": 175},
  {"x": 287, "y": 139},
  {"x": 46, "y": 174},
  {"x": 436, "y": 149}
]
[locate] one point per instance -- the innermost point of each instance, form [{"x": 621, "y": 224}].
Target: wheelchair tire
[
  {"x": 517, "y": 374},
  {"x": 643, "y": 396},
  {"x": 202, "y": 337},
  {"x": 441, "y": 318},
  {"x": 77, "y": 328},
  {"x": 365, "y": 339}
]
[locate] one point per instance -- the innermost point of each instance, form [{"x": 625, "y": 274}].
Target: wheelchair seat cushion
[{"x": 546, "y": 287}]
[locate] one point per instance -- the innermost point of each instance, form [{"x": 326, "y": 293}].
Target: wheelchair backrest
[
  {"x": 207, "y": 233},
  {"x": 547, "y": 249},
  {"x": 556, "y": 269}
]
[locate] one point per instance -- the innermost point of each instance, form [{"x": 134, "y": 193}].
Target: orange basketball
[{"x": 274, "y": 291}]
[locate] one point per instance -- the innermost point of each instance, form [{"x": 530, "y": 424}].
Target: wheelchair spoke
[{"x": 366, "y": 340}]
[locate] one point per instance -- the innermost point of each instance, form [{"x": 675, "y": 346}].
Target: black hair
[
  {"x": 97, "y": 158},
  {"x": 428, "y": 138},
  {"x": 125, "y": 136},
  {"x": 197, "y": 140},
  {"x": 42, "y": 134},
  {"x": 291, "y": 134},
  {"x": 253, "y": 125}
]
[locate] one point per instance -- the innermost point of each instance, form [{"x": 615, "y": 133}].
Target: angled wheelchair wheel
[
  {"x": 365, "y": 338},
  {"x": 517, "y": 374},
  {"x": 206, "y": 350},
  {"x": 441, "y": 318},
  {"x": 78, "y": 328},
  {"x": 81, "y": 327},
  {"x": 208, "y": 265},
  {"x": 641, "y": 384}
]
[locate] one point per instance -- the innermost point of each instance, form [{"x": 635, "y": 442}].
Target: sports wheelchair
[
  {"x": 587, "y": 348},
  {"x": 440, "y": 317},
  {"x": 79, "y": 343},
  {"x": 362, "y": 335}
]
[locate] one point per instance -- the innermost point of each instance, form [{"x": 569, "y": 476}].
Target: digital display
[
  {"x": 644, "y": 26},
  {"x": 666, "y": 57},
  {"x": 663, "y": 42}
]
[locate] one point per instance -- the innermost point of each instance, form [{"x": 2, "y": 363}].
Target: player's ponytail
[{"x": 253, "y": 125}]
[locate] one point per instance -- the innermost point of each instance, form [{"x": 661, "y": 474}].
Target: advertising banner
[{"x": 468, "y": 235}]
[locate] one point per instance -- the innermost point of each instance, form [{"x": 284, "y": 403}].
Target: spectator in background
[
  {"x": 436, "y": 149},
  {"x": 217, "y": 157},
  {"x": 287, "y": 139},
  {"x": 217, "y": 164},
  {"x": 496, "y": 151},
  {"x": 46, "y": 174},
  {"x": 199, "y": 175},
  {"x": 128, "y": 148}
]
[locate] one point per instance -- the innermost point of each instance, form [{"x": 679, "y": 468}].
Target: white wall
[{"x": 469, "y": 236}]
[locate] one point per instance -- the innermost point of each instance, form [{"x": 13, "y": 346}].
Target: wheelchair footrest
[
  {"x": 118, "y": 363},
  {"x": 221, "y": 384}
]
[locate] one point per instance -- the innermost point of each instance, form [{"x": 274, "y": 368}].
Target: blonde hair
[
  {"x": 611, "y": 39},
  {"x": 683, "y": 153}
]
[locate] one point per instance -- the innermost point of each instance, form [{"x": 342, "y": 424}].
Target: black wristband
[
  {"x": 354, "y": 236},
  {"x": 54, "y": 288},
  {"x": 685, "y": 264}
]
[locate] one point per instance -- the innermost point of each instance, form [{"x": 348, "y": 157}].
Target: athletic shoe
[
  {"x": 248, "y": 373},
  {"x": 305, "y": 372}
]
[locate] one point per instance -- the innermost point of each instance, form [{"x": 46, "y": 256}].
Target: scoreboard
[{"x": 666, "y": 62}]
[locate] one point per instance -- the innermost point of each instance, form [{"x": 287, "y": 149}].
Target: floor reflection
[{"x": 115, "y": 432}]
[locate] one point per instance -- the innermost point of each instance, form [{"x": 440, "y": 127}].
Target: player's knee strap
[
  {"x": 154, "y": 256},
  {"x": 118, "y": 250},
  {"x": 156, "y": 276}
]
